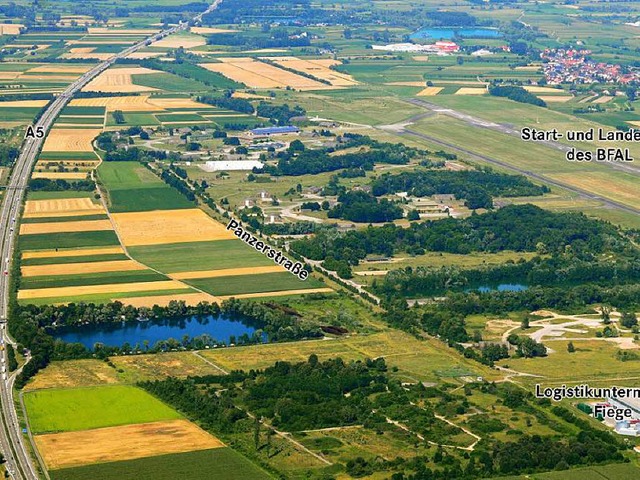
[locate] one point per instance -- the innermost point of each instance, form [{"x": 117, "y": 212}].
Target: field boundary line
[
  {"x": 206, "y": 360},
  {"x": 43, "y": 466}
]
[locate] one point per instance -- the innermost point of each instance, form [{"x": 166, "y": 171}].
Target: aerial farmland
[{"x": 311, "y": 240}]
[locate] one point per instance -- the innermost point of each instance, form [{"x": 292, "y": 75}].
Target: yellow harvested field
[
  {"x": 225, "y": 272},
  {"x": 79, "y": 268},
  {"x": 257, "y": 74},
  {"x": 190, "y": 299},
  {"x": 70, "y": 139},
  {"x": 471, "y": 91},
  {"x": 138, "y": 103},
  {"x": 421, "y": 58},
  {"x": 209, "y": 30},
  {"x": 168, "y": 226},
  {"x": 78, "y": 252},
  {"x": 603, "y": 99},
  {"x": 634, "y": 123},
  {"x": 11, "y": 76},
  {"x": 60, "y": 175},
  {"x": 10, "y": 28},
  {"x": 100, "y": 289},
  {"x": 57, "y": 207},
  {"x": 279, "y": 293},
  {"x": 429, "y": 91},
  {"x": 318, "y": 68},
  {"x": 62, "y": 227},
  {"x": 164, "y": 103},
  {"x": 60, "y": 68},
  {"x": 529, "y": 68},
  {"x": 24, "y": 103},
  {"x": 555, "y": 98},
  {"x": 534, "y": 89},
  {"x": 73, "y": 373},
  {"x": 118, "y": 80},
  {"x": 70, "y": 449},
  {"x": 248, "y": 96},
  {"x": 184, "y": 41}
]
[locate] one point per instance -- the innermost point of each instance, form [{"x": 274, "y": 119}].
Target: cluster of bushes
[
  {"x": 59, "y": 185},
  {"x": 280, "y": 114},
  {"x": 478, "y": 187},
  {"x": 226, "y": 101},
  {"x": 517, "y": 94},
  {"x": 363, "y": 207}
]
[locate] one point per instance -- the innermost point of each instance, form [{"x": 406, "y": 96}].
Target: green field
[
  {"x": 91, "y": 279},
  {"x": 67, "y": 156},
  {"x": 185, "y": 257},
  {"x": 79, "y": 218},
  {"x": 219, "y": 464},
  {"x": 133, "y": 119},
  {"x": 44, "y": 241},
  {"x": 82, "y": 111},
  {"x": 42, "y": 195},
  {"x": 64, "y": 260},
  {"x": 133, "y": 188},
  {"x": 18, "y": 114},
  {"x": 65, "y": 410},
  {"x": 265, "y": 282},
  {"x": 168, "y": 82},
  {"x": 179, "y": 117}
]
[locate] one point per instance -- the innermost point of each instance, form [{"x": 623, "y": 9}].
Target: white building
[{"x": 218, "y": 165}]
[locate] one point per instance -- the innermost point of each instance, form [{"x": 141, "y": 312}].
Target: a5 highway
[{"x": 19, "y": 463}]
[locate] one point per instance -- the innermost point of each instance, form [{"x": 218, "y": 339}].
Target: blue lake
[
  {"x": 115, "y": 334},
  {"x": 502, "y": 287},
  {"x": 448, "y": 33}
]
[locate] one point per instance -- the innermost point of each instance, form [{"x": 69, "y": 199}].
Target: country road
[{"x": 19, "y": 463}]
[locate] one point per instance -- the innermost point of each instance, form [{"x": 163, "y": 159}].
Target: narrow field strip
[
  {"x": 84, "y": 259},
  {"x": 127, "y": 442},
  {"x": 80, "y": 268},
  {"x": 99, "y": 289},
  {"x": 64, "y": 227},
  {"x": 225, "y": 272},
  {"x": 73, "y": 252},
  {"x": 190, "y": 299},
  {"x": 90, "y": 279},
  {"x": 60, "y": 175},
  {"x": 47, "y": 241},
  {"x": 278, "y": 293}
]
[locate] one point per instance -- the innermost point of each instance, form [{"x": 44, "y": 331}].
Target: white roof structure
[{"x": 217, "y": 165}]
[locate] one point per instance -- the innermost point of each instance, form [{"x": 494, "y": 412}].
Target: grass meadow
[{"x": 65, "y": 410}]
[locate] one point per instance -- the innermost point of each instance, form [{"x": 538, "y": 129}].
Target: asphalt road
[{"x": 19, "y": 463}]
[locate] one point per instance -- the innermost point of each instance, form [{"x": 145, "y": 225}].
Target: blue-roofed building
[{"x": 268, "y": 131}]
